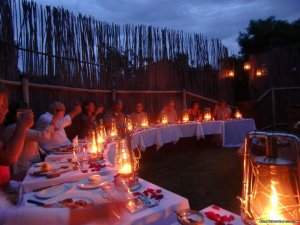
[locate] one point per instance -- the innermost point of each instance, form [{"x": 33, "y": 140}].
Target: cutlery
[
  {"x": 38, "y": 203},
  {"x": 54, "y": 185}
]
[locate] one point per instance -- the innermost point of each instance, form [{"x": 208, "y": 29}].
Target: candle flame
[{"x": 273, "y": 212}]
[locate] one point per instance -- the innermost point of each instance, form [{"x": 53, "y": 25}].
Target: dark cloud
[{"x": 222, "y": 19}]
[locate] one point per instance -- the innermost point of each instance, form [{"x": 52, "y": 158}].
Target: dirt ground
[{"x": 200, "y": 171}]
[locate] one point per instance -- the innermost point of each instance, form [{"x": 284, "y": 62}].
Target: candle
[
  {"x": 144, "y": 122},
  {"x": 207, "y": 116},
  {"x": 129, "y": 125},
  {"x": 125, "y": 169},
  {"x": 164, "y": 119},
  {"x": 238, "y": 115},
  {"x": 185, "y": 117}
]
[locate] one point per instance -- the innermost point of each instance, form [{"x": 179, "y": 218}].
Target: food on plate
[
  {"x": 45, "y": 167},
  {"x": 70, "y": 203}
]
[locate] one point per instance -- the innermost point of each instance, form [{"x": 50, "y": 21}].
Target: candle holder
[
  {"x": 144, "y": 122},
  {"x": 164, "y": 119},
  {"x": 185, "y": 117},
  {"x": 126, "y": 164},
  {"x": 238, "y": 115},
  {"x": 207, "y": 114},
  {"x": 271, "y": 178}
]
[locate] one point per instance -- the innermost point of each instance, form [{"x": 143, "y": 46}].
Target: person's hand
[
  {"x": 99, "y": 110},
  {"x": 25, "y": 119},
  {"x": 56, "y": 117}
]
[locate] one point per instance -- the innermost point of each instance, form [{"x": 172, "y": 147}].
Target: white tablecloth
[
  {"x": 235, "y": 131},
  {"x": 212, "y": 127},
  {"x": 146, "y": 138},
  {"x": 32, "y": 182},
  {"x": 221, "y": 212},
  {"x": 158, "y": 215}
]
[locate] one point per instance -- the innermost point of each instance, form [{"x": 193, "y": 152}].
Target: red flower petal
[
  {"x": 158, "y": 191},
  {"x": 219, "y": 223},
  {"x": 216, "y": 207},
  {"x": 84, "y": 171}
]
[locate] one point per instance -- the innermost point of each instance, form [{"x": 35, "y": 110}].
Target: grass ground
[{"x": 197, "y": 170}]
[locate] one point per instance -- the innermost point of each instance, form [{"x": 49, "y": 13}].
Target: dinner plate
[
  {"x": 75, "y": 196},
  {"x": 88, "y": 186},
  {"x": 54, "y": 191}
]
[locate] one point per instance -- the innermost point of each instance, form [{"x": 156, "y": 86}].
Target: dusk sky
[{"x": 222, "y": 19}]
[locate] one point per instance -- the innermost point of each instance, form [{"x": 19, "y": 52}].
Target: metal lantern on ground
[
  {"x": 258, "y": 73},
  {"x": 126, "y": 164},
  {"x": 271, "y": 179},
  {"x": 185, "y": 117},
  {"x": 207, "y": 114},
  {"x": 230, "y": 74}
]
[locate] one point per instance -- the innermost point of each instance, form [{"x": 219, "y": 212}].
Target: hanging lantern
[
  {"x": 126, "y": 164},
  {"x": 207, "y": 114},
  {"x": 230, "y": 73},
  {"x": 144, "y": 121},
  {"x": 185, "y": 117},
  {"x": 258, "y": 73},
  {"x": 271, "y": 179},
  {"x": 247, "y": 66},
  {"x": 113, "y": 130},
  {"x": 238, "y": 115},
  {"x": 164, "y": 119}
]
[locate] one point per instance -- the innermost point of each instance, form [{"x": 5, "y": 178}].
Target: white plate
[
  {"x": 86, "y": 185},
  {"x": 54, "y": 191},
  {"x": 88, "y": 197}
]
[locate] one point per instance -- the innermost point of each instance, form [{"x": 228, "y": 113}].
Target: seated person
[
  {"x": 194, "y": 112},
  {"x": 59, "y": 137},
  {"x": 12, "y": 215},
  {"x": 222, "y": 111},
  {"x": 11, "y": 149},
  {"x": 116, "y": 115},
  {"x": 138, "y": 115},
  {"x": 30, "y": 151},
  {"x": 86, "y": 120},
  {"x": 170, "y": 111}
]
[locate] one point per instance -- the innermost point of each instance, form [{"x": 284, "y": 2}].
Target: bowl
[{"x": 93, "y": 179}]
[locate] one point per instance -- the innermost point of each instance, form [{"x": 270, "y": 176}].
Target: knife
[{"x": 35, "y": 202}]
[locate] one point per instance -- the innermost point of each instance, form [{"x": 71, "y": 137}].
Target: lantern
[
  {"x": 113, "y": 130},
  {"x": 247, "y": 66},
  {"x": 126, "y": 164},
  {"x": 91, "y": 142},
  {"x": 238, "y": 115},
  {"x": 164, "y": 119},
  {"x": 144, "y": 122},
  {"x": 258, "y": 73},
  {"x": 129, "y": 125},
  {"x": 271, "y": 179},
  {"x": 185, "y": 117},
  {"x": 230, "y": 73},
  {"x": 207, "y": 114}
]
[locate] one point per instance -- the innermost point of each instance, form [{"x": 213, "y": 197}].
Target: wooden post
[
  {"x": 273, "y": 109},
  {"x": 25, "y": 89},
  {"x": 184, "y": 99},
  {"x": 114, "y": 95}
]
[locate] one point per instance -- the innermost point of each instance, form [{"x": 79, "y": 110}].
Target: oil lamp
[
  {"x": 207, "y": 114},
  {"x": 238, "y": 115},
  {"x": 100, "y": 139},
  {"x": 259, "y": 73},
  {"x": 113, "y": 129},
  {"x": 271, "y": 179},
  {"x": 230, "y": 73},
  {"x": 126, "y": 164},
  {"x": 144, "y": 121},
  {"x": 247, "y": 66},
  {"x": 129, "y": 125},
  {"x": 164, "y": 119},
  {"x": 185, "y": 117}
]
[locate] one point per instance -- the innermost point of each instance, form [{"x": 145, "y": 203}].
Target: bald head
[{"x": 56, "y": 107}]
